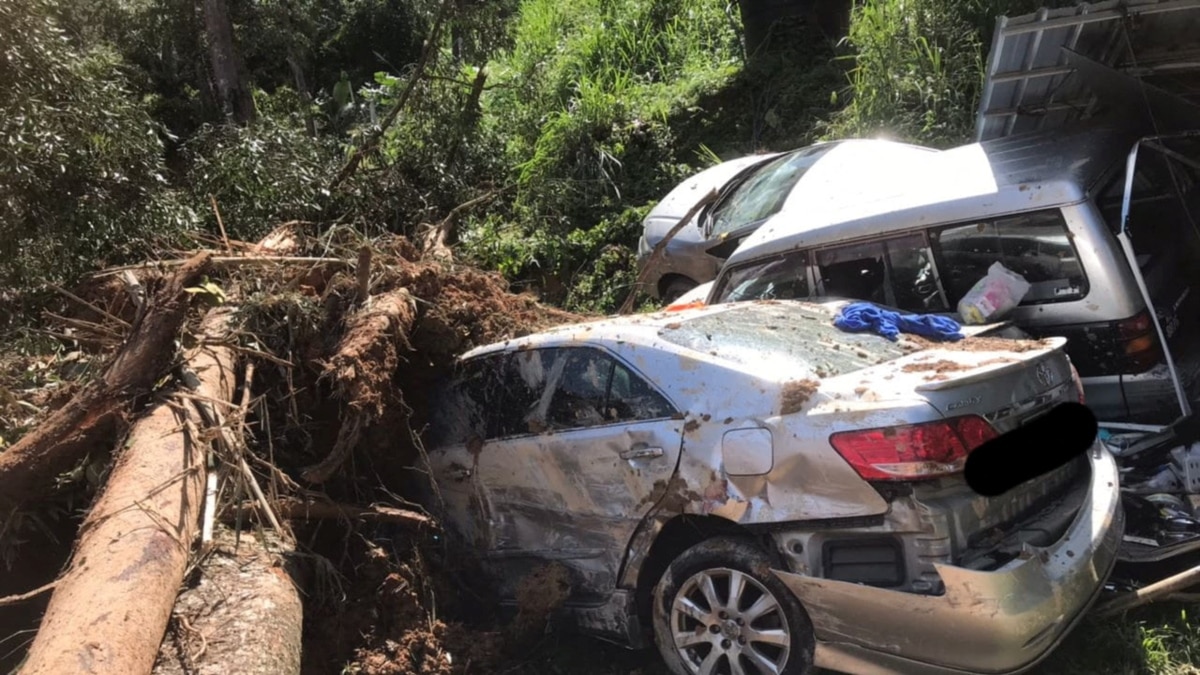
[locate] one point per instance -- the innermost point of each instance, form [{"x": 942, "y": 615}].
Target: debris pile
[{"x": 242, "y": 416}]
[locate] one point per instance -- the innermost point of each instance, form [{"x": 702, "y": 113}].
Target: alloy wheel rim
[{"x": 724, "y": 622}]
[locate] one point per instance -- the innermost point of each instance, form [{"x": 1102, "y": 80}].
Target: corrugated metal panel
[{"x": 1032, "y": 85}]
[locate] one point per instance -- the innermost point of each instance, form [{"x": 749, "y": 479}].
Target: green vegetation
[
  {"x": 1154, "y": 640},
  {"x": 555, "y": 124},
  {"x": 559, "y": 123}
]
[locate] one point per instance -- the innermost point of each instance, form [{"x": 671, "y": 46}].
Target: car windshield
[
  {"x": 762, "y": 194},
  {"x": 758, "y": 333}
]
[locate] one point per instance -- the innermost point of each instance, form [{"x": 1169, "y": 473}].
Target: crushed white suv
[{"x": 756, "y": 491}]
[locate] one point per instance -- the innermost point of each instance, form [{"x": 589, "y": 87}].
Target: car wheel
[
  {"x": 675, "y": 289},
  {"x": 719, "y": 610}
]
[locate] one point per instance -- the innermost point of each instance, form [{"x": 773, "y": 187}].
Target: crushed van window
[{"x": 756, "y": 332}]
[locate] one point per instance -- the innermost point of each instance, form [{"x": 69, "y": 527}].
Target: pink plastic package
[{"x": 993, "y": 296}]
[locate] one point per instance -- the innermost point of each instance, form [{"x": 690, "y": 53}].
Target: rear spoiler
[
  {"x": 987, "y": 372},
  {"x": 977, "y": 330}
]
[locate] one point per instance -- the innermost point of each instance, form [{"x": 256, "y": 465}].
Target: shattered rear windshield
[{"x": 796, "y": 332}]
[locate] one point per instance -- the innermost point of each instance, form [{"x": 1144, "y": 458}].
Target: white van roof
[{"x": 866, "y": 190}]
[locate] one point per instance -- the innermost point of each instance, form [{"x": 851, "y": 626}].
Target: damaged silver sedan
[{"x": 756, "y": 491}]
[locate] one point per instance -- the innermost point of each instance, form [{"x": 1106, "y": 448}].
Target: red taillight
[
  {"x": 915, "y": 451},
  {"x": 1135, "y": 326},
  {"x": 1139, "y": 341}
]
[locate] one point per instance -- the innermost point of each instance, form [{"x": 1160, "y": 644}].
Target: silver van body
[
  {"x": 748, "y": 191},
  {"x": 1048, "y": 205}
]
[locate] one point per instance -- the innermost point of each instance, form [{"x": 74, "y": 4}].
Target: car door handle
[{"x": 642, "y": 453}]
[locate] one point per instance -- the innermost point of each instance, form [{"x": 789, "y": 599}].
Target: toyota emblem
[{"x": 1045, "y": 374}]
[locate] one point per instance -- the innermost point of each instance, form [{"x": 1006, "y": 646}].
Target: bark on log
[
  {"x": 66, "y": 436},
  {"x": 244, "y": 614},
  {"x": 110, "y": 609},
  {"x": 361, "y": 370}
]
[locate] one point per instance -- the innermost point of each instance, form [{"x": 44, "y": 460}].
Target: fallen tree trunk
[
  {"x": 243, "y": 615},
  {"x": 361, "y": 370},
  {"x": 110, "y": 609},
  {"x": 66, "y": 436}
]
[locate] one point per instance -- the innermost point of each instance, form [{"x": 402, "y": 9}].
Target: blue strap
[{"x": 858, "y": 317}]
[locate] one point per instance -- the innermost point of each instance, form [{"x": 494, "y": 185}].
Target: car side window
[
  {"x": 897, "y": 272},
  {"x": 630, "y": 398},
  {"x": 595, "y": 389},
  {"x": 519, "y": 407},
  {"x": 1035, "y": 245},
  {"x": 578, "y": 400},
  {"x": 467, "y": 403}
]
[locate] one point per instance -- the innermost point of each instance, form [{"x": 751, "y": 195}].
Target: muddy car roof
[
  {"x": 639, "y": 328},
  {"x": 979, "y": 180}
]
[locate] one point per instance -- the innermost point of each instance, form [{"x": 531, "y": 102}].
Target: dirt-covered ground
[{"x": 335, "y": 349}]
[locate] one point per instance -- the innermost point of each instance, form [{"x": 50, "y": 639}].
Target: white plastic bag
[{"x": 993, "y": 296}]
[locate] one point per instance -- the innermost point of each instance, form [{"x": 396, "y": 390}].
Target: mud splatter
[
  {"x": 982, "y": 344},
  {"x": 674, "y": 494},
  {"x": 539, "y": 595},
  {"x": 796, "y": 394},
  {"x": 939, "y": 366}
]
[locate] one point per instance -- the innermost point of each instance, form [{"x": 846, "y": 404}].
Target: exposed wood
[
  {"x": 1158, "y": 590},
  {"x": 111, "y": 608},
  {"x": 242, "y": 614},
  {"x": 362, "y": 364},
  {"x": 430, "y": 47},
  {"x": 437, "y": 239},
  {"x": 136, "y": 292},
  {"x": 220, "y": 222},
  {"x": 69, "y": 433},
  {"x": 658, "y": 251}
]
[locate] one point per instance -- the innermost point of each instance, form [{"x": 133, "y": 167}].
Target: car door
[
  {"x": 586, "y": 438},
  {"x": 465, "y": 418}
]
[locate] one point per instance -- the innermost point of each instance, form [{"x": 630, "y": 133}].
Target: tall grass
[
  {"x": 918, "y": 67},
  {"x": 584, "y": 103}
]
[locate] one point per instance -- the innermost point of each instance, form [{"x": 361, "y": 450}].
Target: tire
[
  {"x": 675, "y": 289},
  {"x": 788, "y": 643}
]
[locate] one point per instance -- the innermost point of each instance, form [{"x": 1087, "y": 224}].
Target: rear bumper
[
  {"x": 1000, "y": 621},
  {"x": 1148, "y": 396}
]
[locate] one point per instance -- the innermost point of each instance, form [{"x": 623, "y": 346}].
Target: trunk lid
[{"x": 1005, "y": 381}]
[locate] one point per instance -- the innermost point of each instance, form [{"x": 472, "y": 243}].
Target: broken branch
[
  {"x": 315, "y": 510},
  {"x": 1148, "y": 594},
  {"x": 426, "y": 53},
  {"x": 22, "y": 597},
  {"x": 659, "y": 249},
  {"x": 91, "y": 306},
  {"x": 66, "y": 436}
]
